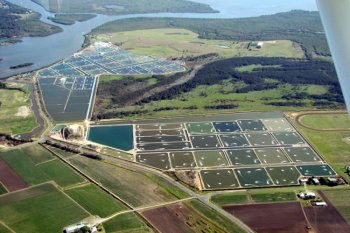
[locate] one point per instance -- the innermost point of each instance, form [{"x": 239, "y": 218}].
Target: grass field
[
  {"x": 134, "y": 188},
  {"x": 15, "y": 111},
  {"x": 341, "y": 200},
  {"x": 3, "y": 229},
  {"x": 229, "y": 199},
  {"x": 334, "y": 146},
  {"x": 250, "y": 68},
  {"x": 214, "y": 217},
  {"x": 95, "y": 200},
  {"x": 273, "y": 197},
  {"x": 33, "y": 173},
  {"x": 253, "y": 197},
  {"x": 129, "y": 222},
  {"x": 40, "y": 209},
  {"x": 173, "y": 42},
  {"x": 198, "y": 100},
  {"x": 327, "y": 121}
]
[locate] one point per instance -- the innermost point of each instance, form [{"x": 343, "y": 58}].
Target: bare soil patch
[
  {"x": 266, "y": 218},
  {"x": 9, "y": 178},
  {"x": 326, "y": 219},
  {"x": 23, "y": 111}
]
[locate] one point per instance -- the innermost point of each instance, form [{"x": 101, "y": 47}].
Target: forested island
[{"x": 17, "y": 22}]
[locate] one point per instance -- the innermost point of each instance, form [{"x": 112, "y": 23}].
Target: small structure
[
  {"x": 315, "y": 181},
  {"x": 74, "y": 228},
  {"x": 320, "y": 203},
  {"x": 260, "y": 45},
  {"x": 307, "y": 195}
]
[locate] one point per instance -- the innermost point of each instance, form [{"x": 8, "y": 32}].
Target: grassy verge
[
  {"x": 39, "y": 209},
  {"x": 129, "y": 222},
  {"x": 229, "y": 199},
  {"x": 274, "y": 197},
  {"x": 15, "y": 111},
  {"x": 95, "y": 201},
  {"x": 32, "y": 173}
]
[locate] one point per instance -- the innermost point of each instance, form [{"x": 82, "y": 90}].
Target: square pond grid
[
  {"x": 230, "y": 154},
  {"x": 68, "y": 98}
]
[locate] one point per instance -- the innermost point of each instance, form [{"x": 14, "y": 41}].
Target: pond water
[{"x": 115, "y": 136}]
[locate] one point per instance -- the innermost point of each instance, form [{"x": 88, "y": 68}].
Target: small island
[
  {"x": 70, "y": 19},
  {"x": 21, "y": 65}
]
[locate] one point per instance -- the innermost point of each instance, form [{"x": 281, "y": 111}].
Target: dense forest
[
  {"x": 17, "y": 21},
  {"x": 302, "y": 27},
  {"x": 291, "y": 71},
  {"x": 269, "y": 74}
]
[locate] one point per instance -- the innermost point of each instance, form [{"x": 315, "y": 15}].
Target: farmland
[
  {"x": 134, "y": 188},
  {"x": 33, "y": 173},
  {"x": 129, "y": 222},
  {"x": 339, "y": 199},
  {"x": 174, "y": 42},
  {"x": 281, "y": 217},
  {"x": 39, "y": 209},
  {"x": 15, "y": 110},
  {"x": 95, "y": 201},
  {"x": 331, "y": 121}
]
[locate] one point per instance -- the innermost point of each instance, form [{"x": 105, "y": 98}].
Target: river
[{"x": 43, "y": 51}]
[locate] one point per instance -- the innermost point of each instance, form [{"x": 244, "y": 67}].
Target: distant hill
[
  {"x": 119, "y": 7},
  {"x": 303, "y": 27}
]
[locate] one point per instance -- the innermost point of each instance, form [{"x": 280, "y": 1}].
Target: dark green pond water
[{"x": 119, "y": 137}]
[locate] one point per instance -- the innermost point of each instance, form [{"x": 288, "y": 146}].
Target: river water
[{"x": 43, "y": 51}]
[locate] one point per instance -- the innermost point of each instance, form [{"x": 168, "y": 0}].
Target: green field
[
  {"x": 129, "y": 222},
  {"x": 229, "y": 199},
  {"x": 327, "y": 121},
  {"x": 174, "y": 42},
  {"x": 251, "y": 68},
  {"x": 33, "y": 173},
  {"x": 273, "y": 197},
  {"x": 16, "y": 115},
  {"x": 134, "y": 188},
  {"x": 213, "y": 216},
  {"x": 39, "y": 209},
  {"x": 95, "y": 200},
  {"x": 341, "y": 200},
  {"x": 334, "y": 146},
  {"x": 3, "y": 229}
]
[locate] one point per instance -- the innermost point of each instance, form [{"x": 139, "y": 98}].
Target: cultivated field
[
  {"x": 95, "y": 200},
  {"x": 35, "y": 173},
  {"x": 10, "y": 179},
  {"x": 134, "y": 188},
  {"x": 174, "y": 42},
  {"x": 326, "y": 219},
  {"x": 15, "y": 111},
  {"x": 340, "y": 200},
  {"x": 39, "y": 209},
  {"x": 129, "y": 222},
  {"x": 266, "y": 218}
]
